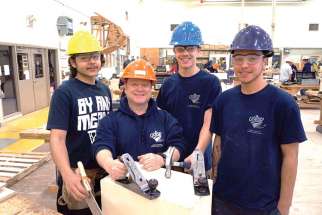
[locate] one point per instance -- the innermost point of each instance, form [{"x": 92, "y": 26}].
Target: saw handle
[{"x": 84, "y": 177}]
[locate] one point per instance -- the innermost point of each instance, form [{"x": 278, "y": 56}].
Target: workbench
[
  {"x": 319, "y": 122},
  {"x": 295, "y": 88},
  {"x": 177, "y": 196},
  {"x": 303, "y": 101}
]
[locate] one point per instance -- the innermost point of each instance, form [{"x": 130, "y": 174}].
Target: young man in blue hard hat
[
  {"x": 188, "y": 95},
  {"x": 258, "y": 128},
  {"x": 75, "y": 110},
  {"x": 138, "y": 127}
]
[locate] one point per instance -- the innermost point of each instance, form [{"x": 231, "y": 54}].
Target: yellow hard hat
[
  {"x": 83, "y": 42},
  {"x": 139, "y": 69}
]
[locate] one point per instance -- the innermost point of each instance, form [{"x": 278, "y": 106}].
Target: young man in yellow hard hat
[
  {"x": 138, "y": 127},
  {"x": 75, "y": 110}
]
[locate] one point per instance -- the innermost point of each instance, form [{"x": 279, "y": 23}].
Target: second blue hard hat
[
  {"x": 253, "y": 38},
  {"x": 186, "y": 34}
]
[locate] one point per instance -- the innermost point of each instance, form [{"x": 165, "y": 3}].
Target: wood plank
[
  {"x": 2, "y": 184},
  {"x": 7, "y": 174},
  {"x": 10, "y": 169},
  {"x": 23, "y": 156},
  {"x": 22, "y": 160},
  {"x": 13, "y": 164},
  {"x": 6, "y": 193},
  {"x": 27, "y": 171}
]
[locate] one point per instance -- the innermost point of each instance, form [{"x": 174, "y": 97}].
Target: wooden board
[
  {"x": 35, "y": 133},
  {"x": 15, "y": 166},
  {"x": 20, "y": 205},
  {"x": 177, "y": 197},
  {"x": 6, "y": 193}
]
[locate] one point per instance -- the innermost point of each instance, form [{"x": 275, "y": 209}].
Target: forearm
[
  {"x": 288, "y": 177},
  {"x": 60, "y": 156},
  {"x": 104, "y": 159},
  {"x": 205, "y": 135}
]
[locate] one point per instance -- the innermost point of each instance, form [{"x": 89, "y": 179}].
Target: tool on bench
[
  {"x": 136, "y": 182},
  {"x": 90, "y": 200},
  {"x": 200, "y": 182}
]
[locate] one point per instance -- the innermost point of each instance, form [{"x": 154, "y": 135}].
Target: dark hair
[{"x": 73, "y": 70}]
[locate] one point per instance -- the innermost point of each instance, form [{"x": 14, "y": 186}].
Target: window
[
  {"x": 173, "y": 26},
  {"x": 313, "y": 27},
  {"x": 23, "y": 66},
  {"x": 39, "y": 73}
]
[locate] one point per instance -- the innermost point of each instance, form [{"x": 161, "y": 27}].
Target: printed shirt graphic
[
  {"x": 77, "y": 107},
  {"x": 87, "y": 119},
  {"x": 194, "y": 98},
  {"x": 257, "y": 124},
  {"x": 158, "y": 138}
]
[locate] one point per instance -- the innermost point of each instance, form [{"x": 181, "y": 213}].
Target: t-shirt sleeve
[
  {"x": 215, "y": 91},
  {"x": 105, "y": 136},
  {"x": 59, "y": 111},
  {"x": 174, "y": 134},
  {"x": 291, "y": 130},
  {"x": 160, "y": 99},
  {"x": 216, "y": 118}
]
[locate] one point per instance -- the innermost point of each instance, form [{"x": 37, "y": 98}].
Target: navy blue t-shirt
[
  {"x": 125, "y": 132},
  {"x": 252, "y": 129},
  {"x": 187, "y": 99},
  {"x": 77, "y": 107}
]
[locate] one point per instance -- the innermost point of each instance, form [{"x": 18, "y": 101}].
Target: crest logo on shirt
[
  {"x": 256, "y": 121},
  {"x": 156, "y": 136},
  {"x": 194, "y": 98}
]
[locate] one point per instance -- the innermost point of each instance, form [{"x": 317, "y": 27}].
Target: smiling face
[
  {"x": 249, "y": 66},
  {"x": 186, "y": 57},
  {"x": 87, "y": 65},
  {"x": 138, "y": 91}
]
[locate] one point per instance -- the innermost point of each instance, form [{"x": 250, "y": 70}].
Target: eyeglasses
[
  {"x": 86, "y": 57},
  {"x": 249, "y": 59},
  {"x": 189, "y": 49}
]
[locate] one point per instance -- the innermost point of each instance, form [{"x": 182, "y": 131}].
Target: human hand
[
  {"x": 151, "y": 161},
  {"x": 74, "y": 186},
  {"x": 188, "y": 160},
  {"x": 284, "y": 210},
  {"x": 116, "y": 169}
]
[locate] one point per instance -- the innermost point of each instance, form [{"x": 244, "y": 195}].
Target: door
[
  {"x": 33, "y": 86},
  {"x": 7, "y": 82},
  {"x": 39, "y": 78},
  {"x": 25, "y": 82}
]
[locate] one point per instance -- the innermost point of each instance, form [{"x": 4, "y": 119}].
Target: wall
[{"x": 149, "y": 21}]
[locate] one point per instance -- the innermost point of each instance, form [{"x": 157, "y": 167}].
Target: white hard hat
[
  {"x": 305, "y": 57},
  {"x": 288, "y": 59}
]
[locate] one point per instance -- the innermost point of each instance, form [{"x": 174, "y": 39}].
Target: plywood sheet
[{"x": 177, "y": 197}]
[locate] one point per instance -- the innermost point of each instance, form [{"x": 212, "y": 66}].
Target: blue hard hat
[
  {"x": 253, "y": 38},
  {"x": 186, "y": 34}
]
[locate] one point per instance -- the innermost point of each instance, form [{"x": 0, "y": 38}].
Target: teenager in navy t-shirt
[
  {"x": 258, "y": 128},
  {"x": 75, "y": 110},
  {"x": 188, "y": 95}
]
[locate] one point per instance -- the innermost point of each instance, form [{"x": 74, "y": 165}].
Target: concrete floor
[{"x": 308, "y": 190}]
